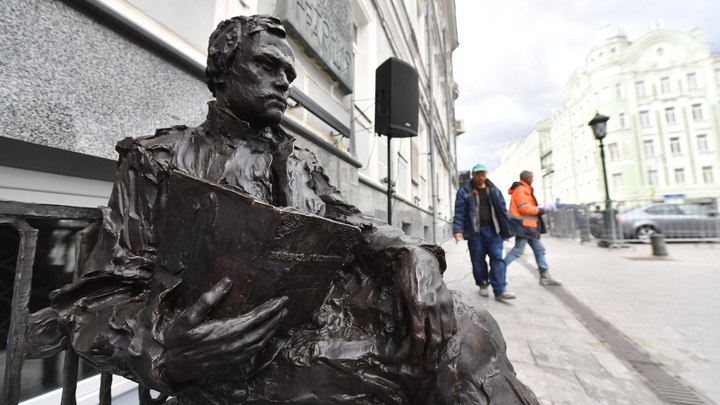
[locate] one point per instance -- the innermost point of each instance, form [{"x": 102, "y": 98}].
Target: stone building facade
[{"x": 662, "y": 95}]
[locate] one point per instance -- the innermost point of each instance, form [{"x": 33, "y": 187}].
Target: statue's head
[{"x": 250, "y": 67}]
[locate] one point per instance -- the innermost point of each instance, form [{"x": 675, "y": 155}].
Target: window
[
  {"x": 640, "y": 88},
  {"x": 621, "y": 118},
  {"x": 702, "y": 143},
  {"x": 675, "y": 145},
  {"x": 663, "y": 209},
  {"x": 670, "y": 115},
  {"x": 649, "y": 147},
  {"x": 402, "y": 181},
  {"x": 606, "y": 94},
  {"x": 692, "y": 81},
  {"x": 680, "y": 176},
  {"x": 717, "y": 77},
  {"x": 618, "y": 91},
  {"x": 414, "y": 162},
  {"x": 697, "y": 112},
  {"x": 693, "y": 209},
  {"x": 652, "y": 178},
  {"x": 708, "y": 175},
  {"x": 614, "y": 151},
  {"x": 617, "y": 181},
  {"x": 382, "y": 160},
  {"x": 665, "y": 85},
  {"x": 645, "y": 118},
  {"x": 440, "y": 185}
]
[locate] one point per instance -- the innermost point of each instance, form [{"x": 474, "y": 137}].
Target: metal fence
[
  {"x": 563, "y": 222},
  {"x": 29, "y": 272},
  {"x": 690, "y": 220}
]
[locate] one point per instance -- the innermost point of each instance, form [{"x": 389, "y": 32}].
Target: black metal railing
[{"x": 27, "y": 327}]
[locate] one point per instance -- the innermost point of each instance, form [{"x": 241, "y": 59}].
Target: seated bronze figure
[{"x": 388, "y": 331}]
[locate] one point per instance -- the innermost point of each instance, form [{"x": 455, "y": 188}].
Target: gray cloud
[{"x": 515, "y": 57}]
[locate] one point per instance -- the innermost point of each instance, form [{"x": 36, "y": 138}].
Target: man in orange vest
[{"x": 526, "y": 217}]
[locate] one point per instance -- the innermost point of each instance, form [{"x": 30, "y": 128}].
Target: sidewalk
[
  {"x": 670, "y": 308},
  {"x": 553, "y": 353}
]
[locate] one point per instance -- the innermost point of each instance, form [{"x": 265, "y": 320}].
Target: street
[{"x": 667, "y": 307}]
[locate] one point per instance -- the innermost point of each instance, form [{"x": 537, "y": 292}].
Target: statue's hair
[
  {"x": 525, "y": 174},
  {"x": 227, "y": 38}
]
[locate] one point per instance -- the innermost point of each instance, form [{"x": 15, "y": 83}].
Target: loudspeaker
[{"x": 396, "y": 99}]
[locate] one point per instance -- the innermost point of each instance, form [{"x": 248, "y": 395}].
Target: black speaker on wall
[{"x": 396, "y": 99}]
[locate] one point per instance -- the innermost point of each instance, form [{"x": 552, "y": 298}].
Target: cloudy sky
[{"x": 515, "y": 57}]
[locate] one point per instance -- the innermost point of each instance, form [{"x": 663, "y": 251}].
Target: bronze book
[{"x": 213, "y": 231}]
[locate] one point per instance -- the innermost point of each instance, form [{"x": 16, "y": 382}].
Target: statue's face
[{"x": 256, "y": 89}]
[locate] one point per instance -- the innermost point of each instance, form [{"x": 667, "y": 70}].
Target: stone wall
[{"x": 69, "y": 82}]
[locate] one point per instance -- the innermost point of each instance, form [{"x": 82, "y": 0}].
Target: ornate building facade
[{"x": 661, "y": 93}]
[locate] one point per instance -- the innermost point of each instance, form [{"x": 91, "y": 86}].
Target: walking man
[
  {"x": 527, "y": 222},
  {"x": 482, "y": 219}
]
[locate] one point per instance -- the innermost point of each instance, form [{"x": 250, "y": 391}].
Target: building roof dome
[{"x": 608, "y": 34}]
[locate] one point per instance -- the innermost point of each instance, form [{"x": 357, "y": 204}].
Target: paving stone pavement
[
  {"x": 670, "y": 308},
  {"x": 552, "y": 352}
]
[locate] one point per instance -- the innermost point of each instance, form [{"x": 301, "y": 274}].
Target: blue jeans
[
  {"x": 519, "y": 248},
  {"x": 488, "y": 243}
]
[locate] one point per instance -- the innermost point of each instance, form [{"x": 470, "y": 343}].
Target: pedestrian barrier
[
  {"x": 562, "y": 223},
  {"x": 623, "y": 221},
  {"x": 43, "y": 247}
]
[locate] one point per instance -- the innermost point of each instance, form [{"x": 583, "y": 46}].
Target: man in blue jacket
[{"x": 481, "y": 218}]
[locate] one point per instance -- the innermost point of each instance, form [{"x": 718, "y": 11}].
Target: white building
[
  {"x": 661, "y": 93},
  {"x": 517, "y": 157}
]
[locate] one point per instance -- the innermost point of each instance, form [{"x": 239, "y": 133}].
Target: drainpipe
[
  {"x": 431, "y": 124},
  {"x": 450, "y": 123},
  {"x": 353, "y": 140}
]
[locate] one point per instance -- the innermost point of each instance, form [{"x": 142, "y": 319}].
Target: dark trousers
[{"x": 488, "y": 243}]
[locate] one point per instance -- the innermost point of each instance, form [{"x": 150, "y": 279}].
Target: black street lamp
[{"x": 599, "y": 128}]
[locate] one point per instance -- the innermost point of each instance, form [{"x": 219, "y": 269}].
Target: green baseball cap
[{"x": 479, "y": 168}]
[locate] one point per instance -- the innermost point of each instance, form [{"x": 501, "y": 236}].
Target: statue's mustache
[{"x": 276, "y": 96}]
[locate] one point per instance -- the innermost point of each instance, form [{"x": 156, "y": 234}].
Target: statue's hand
[
  {"x": 423, "y": 304},
  {"x": 198, "y": 348}
]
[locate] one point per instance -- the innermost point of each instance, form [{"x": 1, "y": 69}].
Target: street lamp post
[{"x": 599, "y": 128}]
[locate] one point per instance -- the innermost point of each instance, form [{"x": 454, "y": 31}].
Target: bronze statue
[{"x": 388, "y": 331}]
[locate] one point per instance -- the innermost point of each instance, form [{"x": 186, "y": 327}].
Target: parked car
[
  {"x": 598, "y": 226},
  {"x": 674, "y": 221}
]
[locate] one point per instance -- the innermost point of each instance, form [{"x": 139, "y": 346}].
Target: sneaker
[
  {"x": 505, "y": 295},
  {"x": 546, "y": 278},
  {"x": 484, "y": 290}
]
